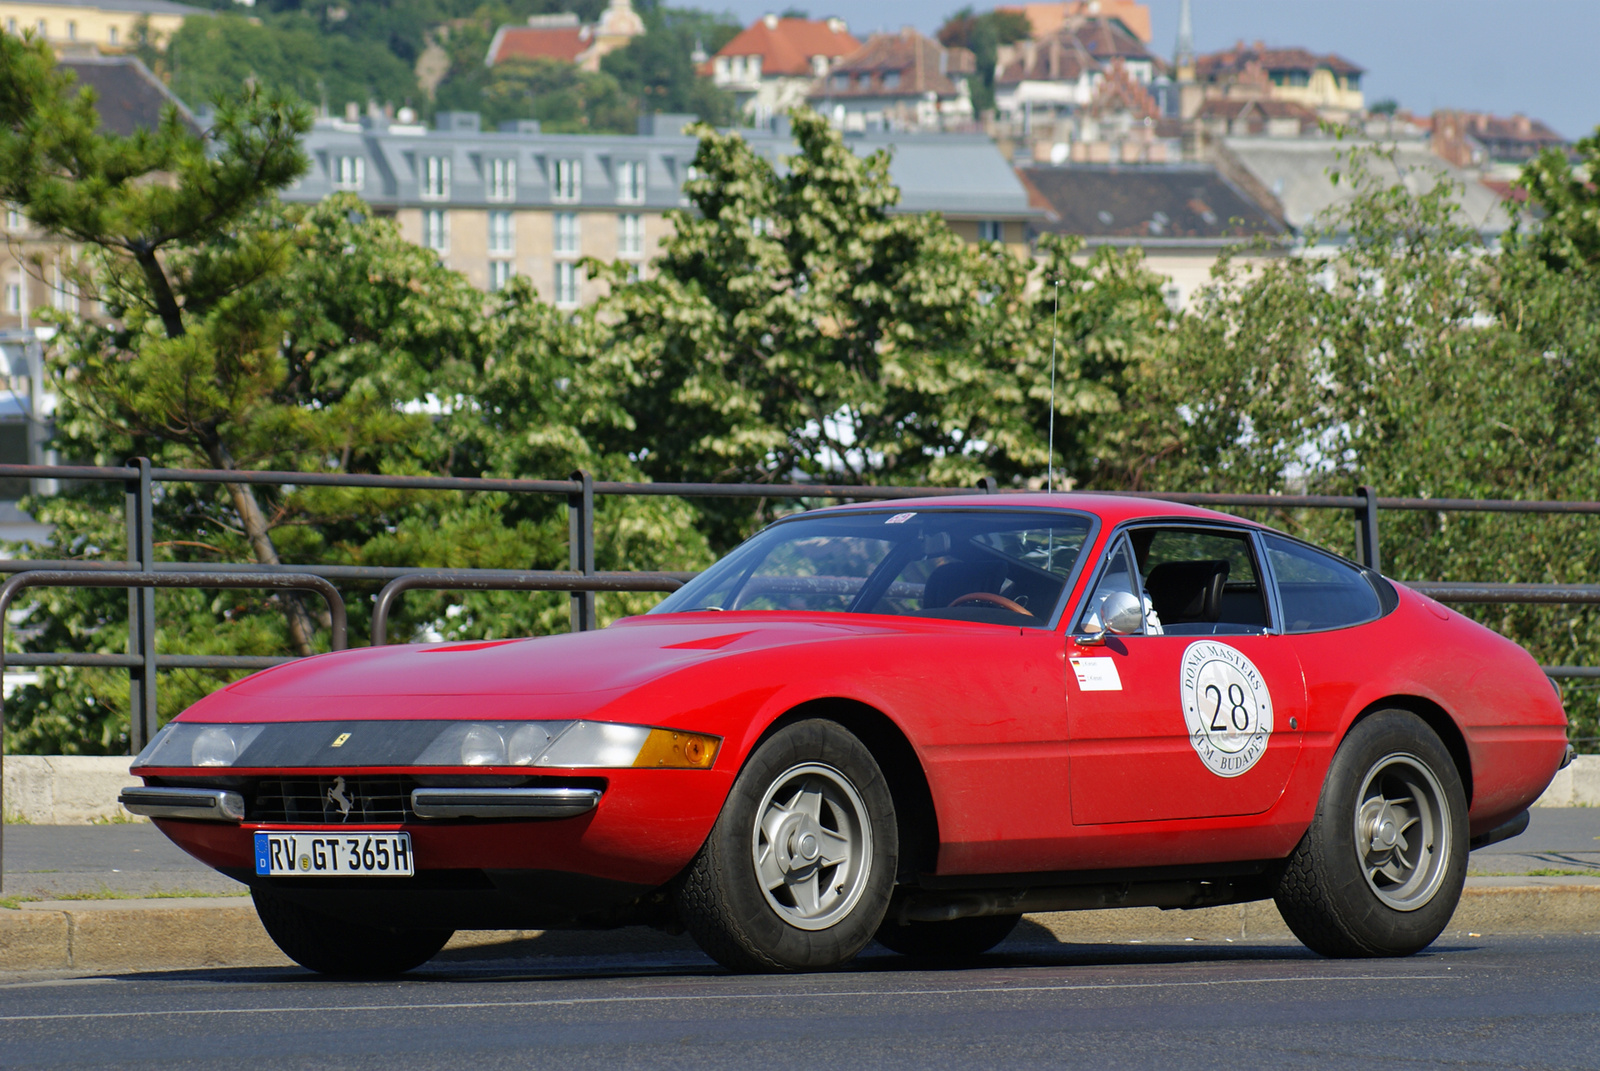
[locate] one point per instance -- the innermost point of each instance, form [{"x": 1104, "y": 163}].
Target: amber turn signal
[{"x": 666, "y": 749}]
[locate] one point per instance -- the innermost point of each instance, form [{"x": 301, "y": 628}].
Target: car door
[{"x": 1196, "y": 713}]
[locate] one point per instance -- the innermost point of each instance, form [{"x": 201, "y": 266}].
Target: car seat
[
  {"x": 954, "y": 579},
  {"x": 1188, "y": 592}
]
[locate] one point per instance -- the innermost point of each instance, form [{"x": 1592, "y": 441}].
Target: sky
[{"x": 1531, "y": 56}]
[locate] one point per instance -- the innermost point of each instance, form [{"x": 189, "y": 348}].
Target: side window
[
  {"x": 1317, "y": 590},
  {"x": 1201, "y": 581},
  {"x": 1119, "y": 575}
]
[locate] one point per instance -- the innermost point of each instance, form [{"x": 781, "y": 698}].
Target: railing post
[
  {"x": 580, "y": 547},
  {"x": 140, "y": 512},
  {"x": 1367, "y": 528}
]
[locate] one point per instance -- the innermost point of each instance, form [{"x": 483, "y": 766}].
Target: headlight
[
  {"x": 483, "y": 746},
  {"x": 185, "y": 744},
  {"x": 560, "y": 744},
  {"x": 571, "y": 745},
  {"x": 214, "y": 746}
]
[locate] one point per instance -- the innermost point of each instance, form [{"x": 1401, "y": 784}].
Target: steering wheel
[{"x": 995, "y": 600}]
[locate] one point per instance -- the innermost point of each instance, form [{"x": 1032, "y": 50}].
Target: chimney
[
  {"x": 771, "y": 20},
  {"x": 837, "y": 25}
]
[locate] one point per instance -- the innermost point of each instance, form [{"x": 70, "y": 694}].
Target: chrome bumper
[
  {"x": 206, "y": 804},
  {"x": 503, "y": 802}
]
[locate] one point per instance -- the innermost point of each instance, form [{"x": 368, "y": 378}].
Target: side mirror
[{"x": 1123, "y": 613}]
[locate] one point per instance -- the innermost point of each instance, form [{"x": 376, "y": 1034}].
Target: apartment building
[
  {"x": 106, "y": 25},
  {"x": 516, "y": 201}
]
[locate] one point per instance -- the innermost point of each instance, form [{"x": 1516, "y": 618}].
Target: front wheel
[
  {"x": 1380, "y": 871},
  {"x": 797, "y": 872},
  {"x": 327, "y": 945}
]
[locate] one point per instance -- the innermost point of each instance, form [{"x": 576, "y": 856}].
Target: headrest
[{"x": 1186, "y": 592}]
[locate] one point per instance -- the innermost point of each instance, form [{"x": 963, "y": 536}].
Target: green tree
[
  {"x": 984, "y": 34},
  {"x": 564, "y": 98},
  {"x": 1414, "y": 359},
  {"x": 211, "y": 57},
  {"x": 797, "y": 326},
  {"x": 656, "y": 70}
]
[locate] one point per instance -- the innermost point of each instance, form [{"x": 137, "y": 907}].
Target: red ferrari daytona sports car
[{"x": 911, "y": 722}]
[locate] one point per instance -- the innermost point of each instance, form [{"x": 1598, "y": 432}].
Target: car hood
[{"x": 624, "y": 656}]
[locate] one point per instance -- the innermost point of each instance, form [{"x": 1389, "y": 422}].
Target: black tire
[
  {"x": 955, "y": 939},
  {"x": 327, "y": 945},
  {"x": 1392, "y": 768},
  {"x": 804, "y": 915}
]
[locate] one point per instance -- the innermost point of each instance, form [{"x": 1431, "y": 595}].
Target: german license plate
[{"x": 323, "y": 854}]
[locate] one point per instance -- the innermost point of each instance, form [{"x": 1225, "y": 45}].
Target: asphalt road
[
  {"x": 1501, "y": 1003},
  {"x": 45, "y": 861}
]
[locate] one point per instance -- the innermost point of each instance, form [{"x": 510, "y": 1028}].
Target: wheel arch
[
  {"x": 915, "y": 815},
  {"x": 1439, "y": 720}
]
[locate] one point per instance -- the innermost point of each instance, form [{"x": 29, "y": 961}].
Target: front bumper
[{"x": 222, "y": 805}]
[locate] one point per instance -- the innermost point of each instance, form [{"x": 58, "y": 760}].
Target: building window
[
  {"x": 63, "y": 295},
  {"x": 567, "y": 239},
  {"x": 72, "y": 30},
  {"x": 349, "y": 172},
  {"x": 436, "y": 230},
  {"x": 567, "y": 181},
  {"x": 500, "y": 273},
  {"x": 891, "y": 79},
  {"x": 436, "y": 177},
  {"x": 566, "y": 283},
  {"x": 44, "y": 31},
  {"x": 111, "y": 35},
  {"x": 11, "y": 25},
  {"x": 14, "y": 220},
  {"x": 841, "y": 81},
  {"x": 630, "y": 182},
  {"x": 502, "y": 180},
  {"x": 630, "y": 235},
  {"x": 14, "y": 297},
  {"x": 502, "y": 233},
  {"x": 991, "y": 230}
]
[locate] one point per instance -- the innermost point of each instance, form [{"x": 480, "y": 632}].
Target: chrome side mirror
[
  {"x": 1119, "y": 613},
  {"x": 1123, "y": 613}
]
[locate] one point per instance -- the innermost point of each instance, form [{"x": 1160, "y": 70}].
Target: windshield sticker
[
  {"x": 1097, "y": 674},
  {"x": 900, "y": 518},
  {"x": 1227, "y": 707}
]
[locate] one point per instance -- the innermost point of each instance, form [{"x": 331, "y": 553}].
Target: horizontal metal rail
[
  {"x": 1536, "y": 594},
  {"x": 133, "y": 579},
  {"x": 477, "y": 581}
]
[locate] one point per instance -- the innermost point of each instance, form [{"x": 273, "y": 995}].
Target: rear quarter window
[{"x": 1317, "y": 591}]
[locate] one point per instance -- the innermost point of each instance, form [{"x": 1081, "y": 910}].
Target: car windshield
[{"x": 1004, "y": 567}]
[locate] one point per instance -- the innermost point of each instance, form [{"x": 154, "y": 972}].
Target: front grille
[{"x": 322, "y": 800}]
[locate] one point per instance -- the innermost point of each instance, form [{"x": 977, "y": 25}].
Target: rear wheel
[
  {"x": 1380, "y": 871},
  {"x": 797, "y": 872},
  {"x": 955, "y": 939},
  {"x": 322, "y": 943}
]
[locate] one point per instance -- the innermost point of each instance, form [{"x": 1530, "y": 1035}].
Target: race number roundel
[{"x": 1227, "y": 707}]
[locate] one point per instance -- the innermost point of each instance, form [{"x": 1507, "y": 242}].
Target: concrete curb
[{"x": 185, "y": 934}]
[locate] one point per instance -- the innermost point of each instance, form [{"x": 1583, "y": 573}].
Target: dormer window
[
  {"x": 630, "y": 182},
  {"x": 566, "y": 181},
  {"x": 502, "y": 185},
  {"x": 435, "y": 178},
  {"x": 349, "y": 173},
  {"x": 891, "y": 79}
]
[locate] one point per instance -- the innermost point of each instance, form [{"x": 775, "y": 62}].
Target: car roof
[{"x": 1111, "y": 508}]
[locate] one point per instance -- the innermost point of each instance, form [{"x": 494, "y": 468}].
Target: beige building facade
[
  {"x": 518, "y": 202},
  {"x": 108, "y": 26}
]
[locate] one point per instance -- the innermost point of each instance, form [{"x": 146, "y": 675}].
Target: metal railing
[{"x": 581, "y": 580}]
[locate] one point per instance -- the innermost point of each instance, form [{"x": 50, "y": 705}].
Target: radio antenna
[{"x": 1055, "y": 321}]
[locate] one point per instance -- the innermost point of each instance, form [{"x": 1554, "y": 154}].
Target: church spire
[{"x": 1183, "y": 61}]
